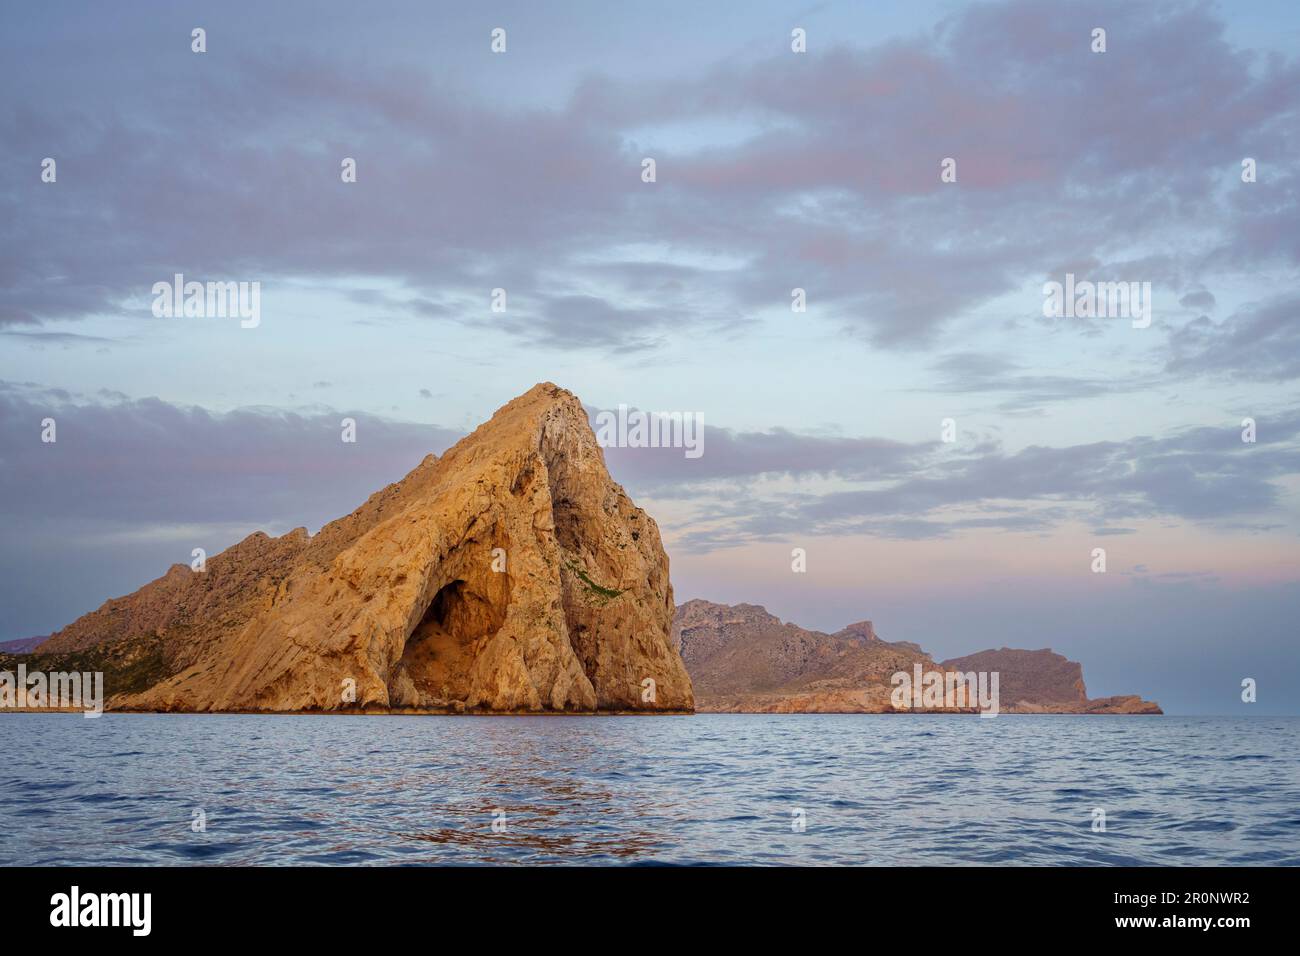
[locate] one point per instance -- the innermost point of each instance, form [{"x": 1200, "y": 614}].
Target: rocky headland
[
  {"x": 744, "y": 660},
  {"x": 510, "y": 575}
]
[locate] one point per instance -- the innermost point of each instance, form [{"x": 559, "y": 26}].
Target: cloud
[
  {"x": 1201, "y": 299},
  {"x": 978, "y": 373},
  {"x": 149, "y": 462},
  {"x": 1200, "y": 475},
  {"x": 1260, "y": 342},
  {"x": 55, "y": 338},
  {"x": 589, "y": 321},
  {"x": 739, "y": 456},
  {"x": 153, "y": 462},
  {"x": 831, "y": 183}
]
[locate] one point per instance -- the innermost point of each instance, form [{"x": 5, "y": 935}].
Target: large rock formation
[
  {"x": 1044, "y": 682},
  {"x": 743, "y": 659},
  {"x": 510, "y": 575}
]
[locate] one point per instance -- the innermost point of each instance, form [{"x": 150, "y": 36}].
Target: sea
[{"x": 711, "y": 789}]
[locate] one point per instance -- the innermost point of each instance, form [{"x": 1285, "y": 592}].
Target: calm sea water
[{"x": 123, "y": 789}]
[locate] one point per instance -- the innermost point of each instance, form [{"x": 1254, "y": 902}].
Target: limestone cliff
[{"x": 512, "y": 575}]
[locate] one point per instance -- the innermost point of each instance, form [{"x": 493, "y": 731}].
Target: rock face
[
  {"x": 1040, "y": 677},
  {"x": 1043, "y": 682},
  {"x": 510, "y": 575},
  {"x": 744, "y": 660}
]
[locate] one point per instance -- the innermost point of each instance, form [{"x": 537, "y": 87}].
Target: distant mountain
[
  {"x": 743, "y": 659},
  {"x": 1041, "y": 677},
  {"x": 20, "y": 646},
  {"x": 1045, "y": 682}
]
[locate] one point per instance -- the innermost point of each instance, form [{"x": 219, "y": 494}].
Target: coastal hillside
[{"x": 744, "y": 660}]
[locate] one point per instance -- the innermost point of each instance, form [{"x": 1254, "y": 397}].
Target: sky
[{"x": 774, "y": 170}]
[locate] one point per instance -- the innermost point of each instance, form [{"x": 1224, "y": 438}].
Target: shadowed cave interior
[{"x": 439, "y": 652}]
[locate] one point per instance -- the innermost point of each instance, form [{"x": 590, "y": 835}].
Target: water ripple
[{"x": 710, "y": 789}]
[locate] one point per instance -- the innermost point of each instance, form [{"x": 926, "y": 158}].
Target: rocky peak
[
  {"x": 700, "y": 613},
  {"x": 511, "y": 574},
  {"x": 862, "y": 630}
]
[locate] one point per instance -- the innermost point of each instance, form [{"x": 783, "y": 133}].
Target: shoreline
[{"x": 576, "y": 713}]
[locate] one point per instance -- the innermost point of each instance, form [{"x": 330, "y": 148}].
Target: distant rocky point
[
  {"x": 744, "y": 660},
  {"x": 1044, "y": 682},
  {"x": 20, "y": 646},
  {"x": 510, "y": 575}
]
